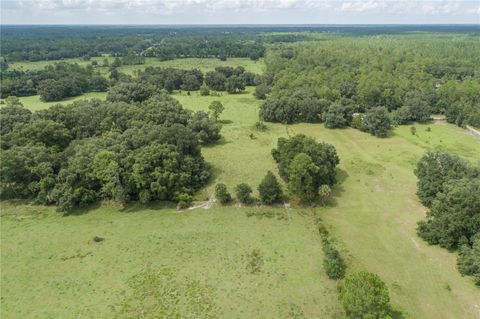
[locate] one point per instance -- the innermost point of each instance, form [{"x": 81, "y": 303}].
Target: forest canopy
[
  {"x": 411, "y": 76},
  {"x": 91, "y": 150}
]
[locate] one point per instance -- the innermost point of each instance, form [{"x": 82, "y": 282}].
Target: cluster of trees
[
  {"x": 226, "y": 78},
  {"x": 330, "y": 81},
  {"x": 90, "y": 150},
  {"x": 150, "y": 81},
  {"x": 54, "y": 83},
  {"x": 307, "y": 166},
  {"x": 269, "y": 189},
  {"x": 450, "y": 187}
]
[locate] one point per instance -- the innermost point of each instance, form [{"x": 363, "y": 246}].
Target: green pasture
[
  {"x": 34, "y": 103},
  {"x": 204, "y": 64}
]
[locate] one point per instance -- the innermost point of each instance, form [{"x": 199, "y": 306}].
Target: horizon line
[{"x": 242, "y": 24}]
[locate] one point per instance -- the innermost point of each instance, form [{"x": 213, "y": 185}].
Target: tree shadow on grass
[
  {"x": 79, "y": 211},
  {"x": 225, "y": 122},
  {"x": 135, "y": 207},
  {"x": 338, "y": 189},
  {"x": 221, "y": 141}
]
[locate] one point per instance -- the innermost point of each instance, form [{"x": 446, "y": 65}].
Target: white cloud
[
  {"x": 427, "y": 7},
  {"x": 212, "y": 11}
]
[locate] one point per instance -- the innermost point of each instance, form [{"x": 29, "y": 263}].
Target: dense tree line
[
  {"x": 207, "y": 46},
  {"x": 54, "y": 83},
  {"x": 24, "y": 43},
  {"x": 34, "y": 43},
  {"x": 450, "y": 187},
  {"x": 410, "y": 76},
  {"x": 90, "y": 150}
]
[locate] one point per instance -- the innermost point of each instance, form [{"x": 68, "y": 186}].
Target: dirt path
[
  {"x": 473, "y": 130},
  {"x": 205, "y": 205}
]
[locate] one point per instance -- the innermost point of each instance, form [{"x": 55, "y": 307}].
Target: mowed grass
[
  {"x": 52, "y": 268},
  {"x": 375, "y": 210}
]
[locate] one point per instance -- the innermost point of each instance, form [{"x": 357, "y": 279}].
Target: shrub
[
  {"x": 333, "y": 263},
  {"x": 184, "y": 200},
  {"x": 222, "y": 194},
  {"x": 243, "y": 192},
  {"x": 204, "y": 91},
  {"x": 260, "y": 126},
  {"x": 365, "y": 295},
  {"x": 324, "y": 193},
  {"x": 357, "y": 122},
  {"x": 270, "y": 189}
]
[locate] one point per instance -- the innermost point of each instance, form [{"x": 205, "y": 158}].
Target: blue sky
[{"x": 240, "y": 11}]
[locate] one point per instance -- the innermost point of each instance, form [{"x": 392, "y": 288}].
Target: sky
[{"x": 240, "y": 11}]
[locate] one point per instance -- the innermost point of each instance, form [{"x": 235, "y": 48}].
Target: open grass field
[
  {"x": 34, "y": 103},
  {"x": 51, "y": 267},
  {"x": 204, "y": 65}
]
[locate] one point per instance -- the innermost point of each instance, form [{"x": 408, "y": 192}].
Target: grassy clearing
[
  {"x": 34, "y": 103},
  {"x": 373, "y": 219},
  {"x": 51, "y": 268},
  {"x": 376, "y": 208},
  {"x": 204, "y": 65}
]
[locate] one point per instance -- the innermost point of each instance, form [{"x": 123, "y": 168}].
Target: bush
[
  {"x": 222, "y": 194},
  {"x": 365, "y": 295},
  {"x": 204, "y": 91},
  {"x": 357, "y": 122},
  {"x": 184, "y": 200},
  {"x": 324, "y": 193},
  {"x": 270, "y": 189},
  {"x": 333, "y": 263},
  {"x": 260, "y": 126},
  {"x": 243, "y": 192}
]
